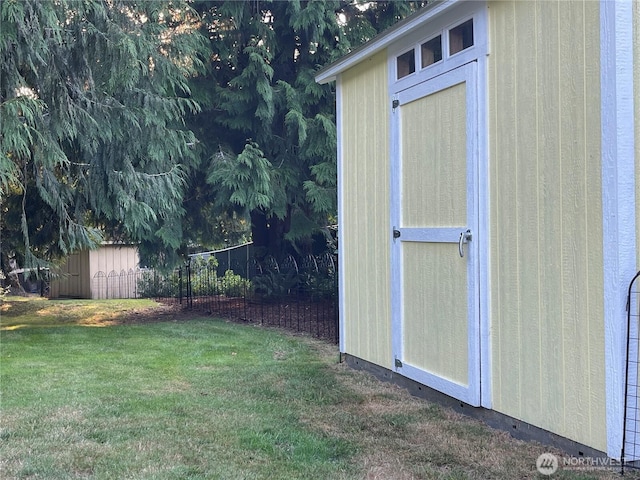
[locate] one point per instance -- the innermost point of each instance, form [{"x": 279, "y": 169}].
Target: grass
[
  {"x": 32, "y": 312},
  {"x": 201, "y": 398}
]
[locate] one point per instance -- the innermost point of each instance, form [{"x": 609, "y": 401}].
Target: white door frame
[
  {"x": 470, "y": 393},
  {"x": 440, "y": 22}
]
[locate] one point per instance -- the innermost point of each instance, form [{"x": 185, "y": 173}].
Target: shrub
[
  {"x": 319, "y": 285},
  {"x": 152, "y": 284},
  {"x": 233, "y": 285},
  {"x": 273, "y": 285}
]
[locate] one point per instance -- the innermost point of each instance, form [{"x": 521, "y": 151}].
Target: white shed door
[{"x": 435, "y": 299}]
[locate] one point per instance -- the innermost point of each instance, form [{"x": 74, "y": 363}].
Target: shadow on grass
[{"x": 35, "y": 312}]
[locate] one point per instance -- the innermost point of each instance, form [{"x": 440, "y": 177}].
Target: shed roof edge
[{"x": 330, "y": 72}]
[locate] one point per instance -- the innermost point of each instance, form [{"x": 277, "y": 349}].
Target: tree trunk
[{"x": 268, "y": 234}]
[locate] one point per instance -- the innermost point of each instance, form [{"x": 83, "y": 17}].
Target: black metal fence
[
  {"x": 630, "y": 456},
  {"x": 299, "y": 294}
]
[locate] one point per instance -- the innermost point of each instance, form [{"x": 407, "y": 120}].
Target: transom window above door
[
  {"x": 434, "y": 50},
  {"x": 431, "y": 51},
  {"x": 406, "y": 63}
]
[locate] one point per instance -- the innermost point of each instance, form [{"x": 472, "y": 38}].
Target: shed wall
[
  {"x": 75, "y": 279},
  {"x": 366, "y": 230},
  {"x": 548, "y": 366},
  {"x": 119, "y": 261},
  {"x": 110, "y": 258}
]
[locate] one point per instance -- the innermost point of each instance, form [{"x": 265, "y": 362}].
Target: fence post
[
  {"x": 189, "y": 286},
  {"x": 180, "y": 285}
]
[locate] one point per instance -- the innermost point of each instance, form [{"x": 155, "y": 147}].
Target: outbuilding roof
[{"x": 381, "y": 41}]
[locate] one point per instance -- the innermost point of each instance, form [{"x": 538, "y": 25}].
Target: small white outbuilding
[{"x": 107, "y": 272}]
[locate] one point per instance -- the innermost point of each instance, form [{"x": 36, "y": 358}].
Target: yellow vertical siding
[
  {"x": 365, "y": 211},
  {"x": 546, "y": 229}
]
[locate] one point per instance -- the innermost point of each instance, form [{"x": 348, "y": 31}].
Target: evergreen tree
[
  {"x": 267, "y": 128},
  {"x": 93, "y": 96}
]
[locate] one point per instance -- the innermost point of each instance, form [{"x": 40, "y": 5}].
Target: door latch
[{"x": 465, "y": 237}]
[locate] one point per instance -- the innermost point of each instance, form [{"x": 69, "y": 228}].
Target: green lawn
[{"x": 205, "y": 398}]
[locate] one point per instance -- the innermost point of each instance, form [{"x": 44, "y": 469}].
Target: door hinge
[
  {"x": 398, "y": 363},
  {"x": 396, "y": 233},
  {"x": 395, "y": 104}
]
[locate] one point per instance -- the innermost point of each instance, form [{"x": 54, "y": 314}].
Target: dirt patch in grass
[
  {"x": 158, "y": 313},
  {"x": 17, "y": 312},
  {"x": 383, "y": 466},
  {"x": 22, "y": 312}
]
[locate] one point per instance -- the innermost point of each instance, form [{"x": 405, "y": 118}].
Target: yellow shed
[
  {"x": 488, "y": 162},
  {"x": 107, "y": 272}
]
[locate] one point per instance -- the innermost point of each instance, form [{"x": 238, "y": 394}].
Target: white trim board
[
  {"x": 331, "y": 71},
  {"x": 618, "y": 199},
  {"x": 340, "y": 185}
]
